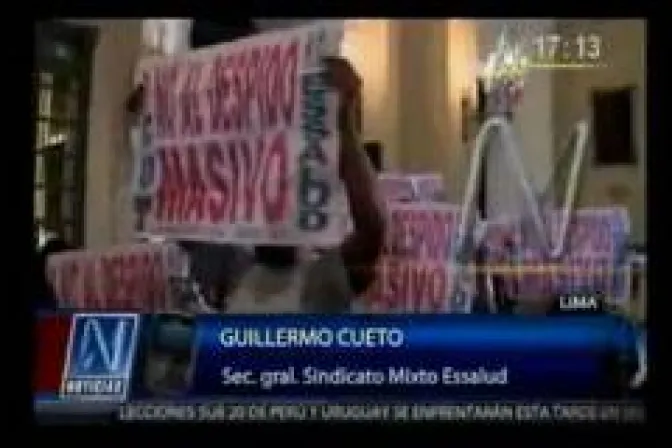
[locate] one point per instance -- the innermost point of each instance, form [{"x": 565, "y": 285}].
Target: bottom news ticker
[
  {"x": 595, "y": 412},
  {"x": 167, "y": 368}
]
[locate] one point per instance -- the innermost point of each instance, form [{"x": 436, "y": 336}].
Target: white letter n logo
[
  {"x": 102, "y": 345},
  {"x": 111, "y": 355}
]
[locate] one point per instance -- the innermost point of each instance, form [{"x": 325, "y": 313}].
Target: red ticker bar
[{"x": 52, "y": 334}]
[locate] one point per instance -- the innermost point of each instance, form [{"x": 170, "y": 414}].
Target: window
[
  {"x": 61, "y": 84},
  {"x": 613, "y": 123},
  {"x": 374, "y": 150}
]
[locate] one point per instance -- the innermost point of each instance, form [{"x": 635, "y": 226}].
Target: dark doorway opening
[{"x": 61, "y": 81}]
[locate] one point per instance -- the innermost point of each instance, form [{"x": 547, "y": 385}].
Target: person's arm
[
  {"x": 361, "y": 248},
  {"x": 134, "y": 102}
]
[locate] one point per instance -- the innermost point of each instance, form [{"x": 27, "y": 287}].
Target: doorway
[{"x": 61, "y": 79}]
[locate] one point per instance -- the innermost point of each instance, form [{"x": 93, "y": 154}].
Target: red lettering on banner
[
  {"x": 278, "y": 157},
  {"x": 234, "y": 162},
  {"x": 251, "y": 168},
  {"x": 171, "y": 194},
  {"x": 252, "y": 88},
  {"x": 195, "y": 202},
  {"x": 258, "y": 77},
  {"x": 272, "y": 85},
  {"x": 399, "y": 283},
  {"x": 242, "y": 116},
  {"x": 129, "y": 280},
  {"x": 420, "y": 233},
  {"x": 197, "y": 191},
  {"x": 218, "y": 94},
  {"x": 222, "y": 196},
  {"x": 409, "y": 286},
  {"x": 428, "y": 286},
  {"x": 192, "y": 123}
]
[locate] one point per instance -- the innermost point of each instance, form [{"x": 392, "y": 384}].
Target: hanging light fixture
[{"x": 503, "y": 76}]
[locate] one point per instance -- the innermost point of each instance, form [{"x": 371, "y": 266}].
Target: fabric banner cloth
[
  {"x": 241, "y": 143},
  {"x": 127, "y": 277},
  {"x": 417, "y": 272},
  {"x": 412, "y": 187},
  {"x": 594, "y": 258}
]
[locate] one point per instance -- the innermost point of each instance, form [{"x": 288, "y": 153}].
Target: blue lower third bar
[{"x": 409, "y": 357}]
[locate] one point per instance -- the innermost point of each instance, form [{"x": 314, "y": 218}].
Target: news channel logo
[{"x": 100, "y": 355}]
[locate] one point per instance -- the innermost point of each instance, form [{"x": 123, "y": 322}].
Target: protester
[
  {"x": 286, "y": 279},
  {"x": 216, "y": 269}
]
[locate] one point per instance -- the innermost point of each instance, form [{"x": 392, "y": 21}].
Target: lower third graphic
[{"x": 100, "y": 357}]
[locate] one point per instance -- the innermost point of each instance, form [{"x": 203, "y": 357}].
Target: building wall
[
  {"x": 117, "y": 49},
  {"x": 624, "y": 48},
  {"x": 461, "y": 66}
]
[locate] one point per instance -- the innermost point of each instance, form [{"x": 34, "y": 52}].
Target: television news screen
[{"x": 269, "y": 267}]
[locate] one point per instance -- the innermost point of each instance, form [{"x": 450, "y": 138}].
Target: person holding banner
[
  {"x": 289, "y": 279},
  {"x": 285, "y": 279},
  {"x": 215, "y": 268}
]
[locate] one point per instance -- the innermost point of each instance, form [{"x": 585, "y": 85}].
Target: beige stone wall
[
  {"x": 368, "y": 44},
  {"x": 624, "y": 48},
  {"x": 116, "y": 51}
]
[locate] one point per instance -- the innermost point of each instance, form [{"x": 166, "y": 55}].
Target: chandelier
[{"x": 503, "y": 76}]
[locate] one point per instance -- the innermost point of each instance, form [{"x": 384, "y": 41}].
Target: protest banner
[
  {"x": 411, "y": 187},
  {"x": 593, "y": 259},
  {"x": 143, "y": 176},
  {"x": 415, "y": 272},
  {"x": 128, "y": 277},
  {"x": 243, "y": 139},
  {"x": 429, "y": 187},
  {"x": 396, "y": 187}
]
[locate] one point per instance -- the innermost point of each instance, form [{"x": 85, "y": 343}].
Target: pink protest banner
[
  {"x": 415, "y": 271},
  {"x": 396, "y": 187},
  {"x": 429, "y": 187},
  {"x": 244, "y": 141},
  {"x": 592, "y": 261},
  {"x": 410, "y": 286},
  {"x": 412, "y": 187},
  {"x": 128, "y": 277}
]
